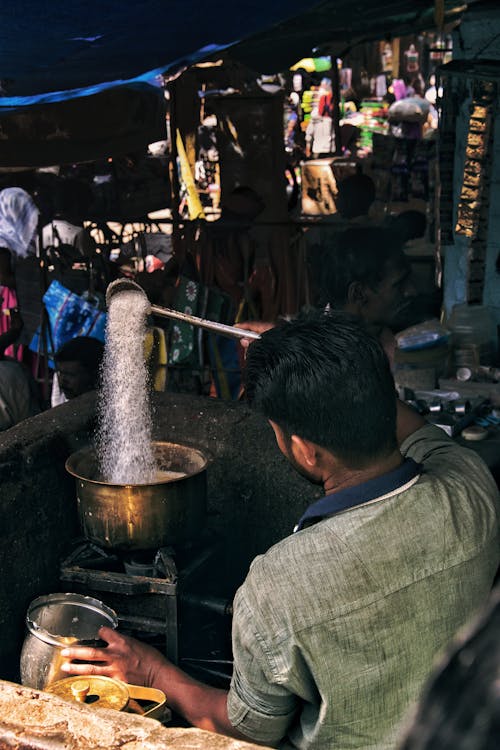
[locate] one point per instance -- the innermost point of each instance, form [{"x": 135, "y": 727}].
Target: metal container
[
  {"x": 54, "y": 622},
  {"x": 104, "y": 692},
  {"x": 166, "y": 512}
]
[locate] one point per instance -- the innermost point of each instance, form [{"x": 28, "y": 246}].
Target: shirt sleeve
[{"x": 258, "y": 706}]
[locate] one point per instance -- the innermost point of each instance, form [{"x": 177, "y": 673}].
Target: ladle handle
[{"x": 232, "y": 332}]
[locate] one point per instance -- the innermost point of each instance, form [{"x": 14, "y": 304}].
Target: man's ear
[
  {"x": 306, "y": 449},
  {"x": 356, "y": 294}
]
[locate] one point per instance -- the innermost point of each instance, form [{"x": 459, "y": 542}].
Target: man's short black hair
[
  {"x": 360, "y": 254},
  {"x": 86, "y": 350},
  {"x": 324, "y": 378}
]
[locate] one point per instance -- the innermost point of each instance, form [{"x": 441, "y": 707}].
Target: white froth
[{"x": 124, "y": 436}]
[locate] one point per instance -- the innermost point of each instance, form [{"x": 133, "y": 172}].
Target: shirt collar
[{"x": 391, "y": 483}]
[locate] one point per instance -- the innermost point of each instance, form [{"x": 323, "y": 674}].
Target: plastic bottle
[{"x": 473, "y": 335}]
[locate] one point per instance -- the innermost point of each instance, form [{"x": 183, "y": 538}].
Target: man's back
[{"x": 376, "y": 592}]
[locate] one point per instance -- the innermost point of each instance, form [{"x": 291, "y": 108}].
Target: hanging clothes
[{"x": 9, "y": 303}]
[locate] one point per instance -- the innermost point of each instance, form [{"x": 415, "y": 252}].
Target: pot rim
[
  {"x": 90, "y": 449},
  {"x": 70, "y": 598}
]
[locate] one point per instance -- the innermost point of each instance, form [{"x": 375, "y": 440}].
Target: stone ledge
[{"x": 34, "y": 720}]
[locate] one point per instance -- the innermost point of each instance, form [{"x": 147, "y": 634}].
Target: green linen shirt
[{"x": 336, "y": 627}]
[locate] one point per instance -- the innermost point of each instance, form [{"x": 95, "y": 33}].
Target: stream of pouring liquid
[{"x": 124, "y": 448}]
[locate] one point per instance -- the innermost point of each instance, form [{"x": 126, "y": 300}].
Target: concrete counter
[{"x": 33, "y": 720}]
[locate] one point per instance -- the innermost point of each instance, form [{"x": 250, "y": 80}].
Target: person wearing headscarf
[
  {"x": 18, "y": 220},
  {"x": 18, "y": 223}
]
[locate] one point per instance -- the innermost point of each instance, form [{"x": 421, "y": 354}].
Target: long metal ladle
[{"x": 233, "y": 332}]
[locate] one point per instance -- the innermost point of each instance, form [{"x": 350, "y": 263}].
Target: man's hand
[
  {"x": 123, "y": 658},
  {"x": 258, "y": 326},
  {"x": 134, "y": 662}
]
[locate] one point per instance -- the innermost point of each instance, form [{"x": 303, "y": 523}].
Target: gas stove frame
[{"x": 149, "y": 604}]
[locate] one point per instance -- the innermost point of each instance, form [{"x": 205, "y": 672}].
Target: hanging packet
[{"x": 69, "y": 315}]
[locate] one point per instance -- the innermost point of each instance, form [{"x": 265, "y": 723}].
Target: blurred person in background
[
  {"x": 18, "y": 225},
  {"x": 19, "y": 397},
  {"x": 363, "y": 271},
  {"x": 18, "y": 393},
  {"x": 71, "y": 207},
  {"x": 78, "y": 363},
  {"x": 409, "y": 117},
  {"x": 320, "y": 131}
]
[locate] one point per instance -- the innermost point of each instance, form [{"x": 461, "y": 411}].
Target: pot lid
[
  {"x": 94, "y": 691},
  {"x": 64, "y": 618}
]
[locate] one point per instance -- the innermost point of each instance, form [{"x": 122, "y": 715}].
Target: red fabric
[
  {"x": 325, "y": 105},
  {"x": 9, "y": 301}
]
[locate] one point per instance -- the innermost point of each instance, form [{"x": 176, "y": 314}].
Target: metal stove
[{"x": 169, "y": 598}]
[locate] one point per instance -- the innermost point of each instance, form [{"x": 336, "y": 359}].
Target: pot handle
[{"x": 160, "y": 711}]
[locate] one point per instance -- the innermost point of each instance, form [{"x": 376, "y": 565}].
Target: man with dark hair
[
  {"x": 355, "y": 196},
  {"x": 71, "y": 208},
  {"x": 336, "y": 627},
  {"x": 364, "y": 272},
  {"x": 77, "y": 368},
  {"x": 296, "y": 401}
]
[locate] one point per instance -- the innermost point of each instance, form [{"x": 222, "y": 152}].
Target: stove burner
[
  {"x": 138, "y": 565},
  {"x": 159, "y": 565}
]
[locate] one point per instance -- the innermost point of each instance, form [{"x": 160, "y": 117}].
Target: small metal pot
[
  {"x": 54, "y": 622},
  {"x": 143, "y": 516}
]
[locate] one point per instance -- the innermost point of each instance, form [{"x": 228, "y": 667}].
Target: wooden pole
[{"x": 336, "y": 108}]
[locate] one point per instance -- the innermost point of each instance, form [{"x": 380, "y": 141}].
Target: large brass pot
[{"x": 142, "y": 516}]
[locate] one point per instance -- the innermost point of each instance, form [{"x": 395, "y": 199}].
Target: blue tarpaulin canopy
[
  {"x": 53, "y": 45},
  {"x": 77, "y": 79},
  {"x": 54, "y": 52}
]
